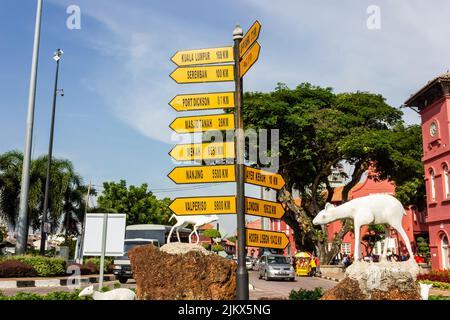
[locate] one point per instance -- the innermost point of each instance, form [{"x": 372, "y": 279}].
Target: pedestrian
[
  {"x": 313, "y": 265},
  {"x": 317, "y": 265}
]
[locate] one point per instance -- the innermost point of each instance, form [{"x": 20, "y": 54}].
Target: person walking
[{"x": 313, "y": 265}]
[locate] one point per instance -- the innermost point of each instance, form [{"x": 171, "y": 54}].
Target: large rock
[
  {"x": 378, "y": 281},
  {"x": 188, "y": 272}
]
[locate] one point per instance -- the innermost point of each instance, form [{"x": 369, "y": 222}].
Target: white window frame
[
  {"x": 346, "y": 248},
  {"x": 446, "y": 183},
  {"x": 433, "y": 185}
]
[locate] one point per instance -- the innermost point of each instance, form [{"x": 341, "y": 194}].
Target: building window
[
  {"x": 345, "y": 248},
  {"x": 446, "y": 184},
  {"x": 433, "y": 185}
]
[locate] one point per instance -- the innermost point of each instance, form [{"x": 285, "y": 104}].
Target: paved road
[
  {"x": 263, "y": 289},
  {"x": 282, "y": 288}
]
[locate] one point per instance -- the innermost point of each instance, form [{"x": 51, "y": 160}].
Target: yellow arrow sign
[
  {"x": 203, "y": 101},
  {"x": 203, "y": 151},
  {"x": 250, "y": 37},
  {"x": 203, "y": 56},
  {"x": 225, "y": 205},
  {"x": 204, "y": 205},
  {"x": 203, "y": 174},
  {"x": 263, "y": 208},
  {"x": 249, "y": 59},
  {"x": 264, "y": 178},
  {"x": 203, "y": 74},
  {"x": 203, "y": 123},
  {"x": 266, "y": 239}
]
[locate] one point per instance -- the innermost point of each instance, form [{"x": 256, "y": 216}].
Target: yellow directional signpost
[
  {"x": 219, "y": 65},
  {"x": 203, "y": 174},
  {"x": 263, "y": 208},
  {"x": 249, "y": 59},
  {"x": 203, "y": 101},
  {"x": 203, "y": 151},
  {"x": 203, "y": 123},
  {"x": 203, "y": 56},
  {"x": 203, "y": 205},
  {"x": 267, "y": 239},
  {"x": 250, "y": 37},
  {"x": 203, "y": 74},
  {"x": 264, "y": 178}
]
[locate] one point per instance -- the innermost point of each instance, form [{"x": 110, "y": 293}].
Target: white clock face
[{"x": 433, "y": 129}]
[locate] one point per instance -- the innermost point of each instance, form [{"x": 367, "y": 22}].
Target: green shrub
[
  {"x": 117, "y": 285},
  {"x": 16, "y": 269},
  {"x": 51, "y": 296},
  {"x": 303, "y": 294},
  {"x": 44, "y": 266},
  {"x": 217, "y": 248},
  {"x": 95, "y": 261},
  {"x": 438, "y": 298},
  {"x": 437, "y": 284}
]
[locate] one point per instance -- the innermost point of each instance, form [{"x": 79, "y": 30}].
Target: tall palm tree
[{"x": 66, "y": 203}]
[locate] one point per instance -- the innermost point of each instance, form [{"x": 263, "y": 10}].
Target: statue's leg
[
  {"x": 178, "y": 232},
  {"x": 190, "y": 236},
  {"x": 402, "y": 232},
  {"x": 386, "y": 242},
  {"x": 196, "y": 233},
  {"x": 170, "y": 233},
  {"x": 357, "y": 254}
]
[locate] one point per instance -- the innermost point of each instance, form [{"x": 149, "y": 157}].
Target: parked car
[
  {"x": 276, "y": 267},
  {"x": 248, "y": 263}
]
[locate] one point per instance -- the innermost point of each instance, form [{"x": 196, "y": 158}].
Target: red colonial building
[{"x": 433, "y": 104}]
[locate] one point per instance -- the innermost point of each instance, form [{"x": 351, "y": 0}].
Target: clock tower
[{"x": 433, "y": 104}]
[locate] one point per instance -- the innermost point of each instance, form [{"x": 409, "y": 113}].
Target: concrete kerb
[{"x": 47, "y": 283}]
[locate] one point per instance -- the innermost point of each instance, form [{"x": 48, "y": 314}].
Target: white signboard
[{"x": 115, "y": 234}]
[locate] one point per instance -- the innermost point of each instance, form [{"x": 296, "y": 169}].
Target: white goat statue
[
  {"x": 196, "y": 221},
  {"x": 425, "y": 290},
  {"x": 116, "y": 294},
  {"x": 373, "y": 209}
]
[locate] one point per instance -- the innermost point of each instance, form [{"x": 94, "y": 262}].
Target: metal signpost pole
[
  {"x": 22, "y": 223},
  {"x": 102, "y": 258},
  {"x": 242, "y": 273}
]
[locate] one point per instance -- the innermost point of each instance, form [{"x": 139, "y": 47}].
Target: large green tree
[
  {"x": 138, "y": 203},
  {"x": 321, "y": 131}
]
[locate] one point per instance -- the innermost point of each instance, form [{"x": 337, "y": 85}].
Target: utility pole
[
  {"x": 242, "y": 273},
  {"x": 57, "y": 57},
  {"x": 22, "y": 222}
]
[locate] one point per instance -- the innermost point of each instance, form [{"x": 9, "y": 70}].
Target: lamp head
[{"x": 58, "y": 54}]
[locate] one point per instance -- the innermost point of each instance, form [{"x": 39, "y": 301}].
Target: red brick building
[{"x": 433, "y": 104}]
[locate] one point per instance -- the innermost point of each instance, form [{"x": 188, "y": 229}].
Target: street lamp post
[{"x": 57, "y": 57}]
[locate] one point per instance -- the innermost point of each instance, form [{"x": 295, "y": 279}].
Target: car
[
  {"x": 275, "y": 267},
  {"x": 248, "y": 263}
]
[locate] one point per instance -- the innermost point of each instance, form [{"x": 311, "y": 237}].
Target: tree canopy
[
  {"x": 321, "y": 131},
  {"x": 139, "y": 204}
]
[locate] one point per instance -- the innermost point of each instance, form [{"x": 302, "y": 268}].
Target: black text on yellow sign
[
  {"x": 203, "y": 74},
  {"x": 264, "y": 178},
  {"x": 266, "y": 239},
  {"x": 263, "y": 208},
  {"x": 203, "y": 151},
  {"x": 203, "y": 56},
  {"x": 249, "y": 59},
  {"x": 221, "y": 122},
  {"x": 203, "y": 101},
  {"x": 203, "y": 205},
  {"x": 250, "y": 37},
  {"x": 203, "y": 174}
]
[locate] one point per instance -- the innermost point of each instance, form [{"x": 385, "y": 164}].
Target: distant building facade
[{"x": 433, "y": 104}]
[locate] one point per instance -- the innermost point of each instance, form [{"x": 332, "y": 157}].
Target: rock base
[
  {"x": 186, "y": 273},
  {"x": 378, "y": 281}
]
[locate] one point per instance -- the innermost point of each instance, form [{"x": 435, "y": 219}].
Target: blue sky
[{"x": 113, "y": 120}]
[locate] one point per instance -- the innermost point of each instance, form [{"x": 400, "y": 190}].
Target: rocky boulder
[
  {"x": 181, "y": 271},
  {"x": 378, "y": 281}
]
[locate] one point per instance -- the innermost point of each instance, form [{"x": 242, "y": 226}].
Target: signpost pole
[
  {"x": 102, "y": 258},
  {"x": 242, "y": 273}
]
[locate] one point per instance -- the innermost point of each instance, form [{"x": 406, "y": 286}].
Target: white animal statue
[
  {"x": 196, "y": 221},
  {"x": 425, "y": 290},
  {"x": 373, "y": 209},
  {"x": 116, "y": 294}
]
